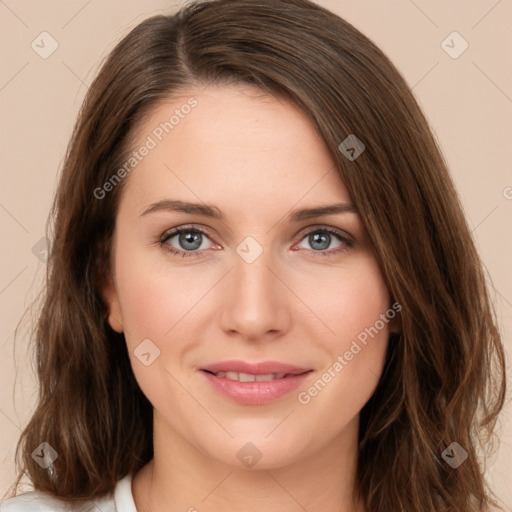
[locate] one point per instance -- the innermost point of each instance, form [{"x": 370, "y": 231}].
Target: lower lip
[{"x": 255, "y": 393}]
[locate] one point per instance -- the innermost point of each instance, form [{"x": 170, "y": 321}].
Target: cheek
[
  {"x": 350, "y": 303},
  {"x": 154, "y": 294},
  {"x": 146, "y": 304},
  {"x": 354, "y": 308},
  {"x": 157, "y": 306}
]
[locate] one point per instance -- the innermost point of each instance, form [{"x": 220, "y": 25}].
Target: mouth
[
  {"x": 251, "y": 377},
  {"x": 254, "y": 383}
]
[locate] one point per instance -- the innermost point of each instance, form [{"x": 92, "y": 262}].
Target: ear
[
  {"x": 111, "y": 299},
  {"x": 395, "y": 323}
]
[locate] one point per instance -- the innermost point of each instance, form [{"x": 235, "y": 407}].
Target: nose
[{"x": 256, "y": 303}]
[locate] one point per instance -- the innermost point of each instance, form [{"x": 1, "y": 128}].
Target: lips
[
  {"x": 263, "y": 368},
  {"x": 254, "y": 383},
  {"x": 249, "y": 377}
]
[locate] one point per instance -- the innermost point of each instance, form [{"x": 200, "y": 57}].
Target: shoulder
[
  {"x": 32, "y": 501},
  {"x": 41, "y": 502}
]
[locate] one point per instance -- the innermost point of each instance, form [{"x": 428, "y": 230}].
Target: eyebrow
[{"x": 206, "y": 210}]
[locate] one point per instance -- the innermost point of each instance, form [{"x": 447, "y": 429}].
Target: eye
[
  {"x": 320, "y": 239},
  {"x": 185, "y": 241},
  {"x": 188, "y": 241}
]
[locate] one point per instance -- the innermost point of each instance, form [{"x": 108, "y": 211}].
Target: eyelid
[
  {"x": 186, "y": 227},
  {"x": 170, "y": 233},
  {"x": 344, "y": 237},
  {"x": 205, "y": 230},
  {"x": 330, "y": 229}
]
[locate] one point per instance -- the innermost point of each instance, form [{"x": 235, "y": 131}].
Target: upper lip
[{"x": 261, "y": 368}]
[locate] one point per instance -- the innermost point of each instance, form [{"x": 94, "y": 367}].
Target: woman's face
[{"x": 253, "y": 278}]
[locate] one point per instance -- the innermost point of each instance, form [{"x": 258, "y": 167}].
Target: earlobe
[
  {"x": 395, "y": 322},
  {"x": 395, "y": 328},
  {"x": 115, "y": 323},
  {"x": 395, "y": 325},
  {"x": 111, "y": 299}
]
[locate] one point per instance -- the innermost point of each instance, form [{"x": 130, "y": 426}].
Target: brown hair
[{"x": 444, "y": 378}]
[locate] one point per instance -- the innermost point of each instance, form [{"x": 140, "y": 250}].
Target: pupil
[
  {"x": 190, "y": 238},
  {"x": 322, "y": 238}
]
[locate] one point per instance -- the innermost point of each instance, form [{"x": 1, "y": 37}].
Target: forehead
[{"x": 222, "y": 143}]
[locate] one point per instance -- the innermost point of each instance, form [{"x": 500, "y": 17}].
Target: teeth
[
  {"x": 248, "y": 377},
  {"x": 263, "y": 378}
]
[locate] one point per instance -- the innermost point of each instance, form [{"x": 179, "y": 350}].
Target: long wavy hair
[{"x": 444, "y": 376}]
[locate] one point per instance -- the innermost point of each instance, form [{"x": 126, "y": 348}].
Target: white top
[{"x": 121, "y": 501}]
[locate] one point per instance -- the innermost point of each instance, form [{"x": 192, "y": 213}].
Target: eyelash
[{"x": 348, "y": 243}]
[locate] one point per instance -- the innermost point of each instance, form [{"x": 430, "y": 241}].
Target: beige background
[{"x": 468, "y": 101}]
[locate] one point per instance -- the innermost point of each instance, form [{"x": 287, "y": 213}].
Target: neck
[{"x": 182, "y": 478}]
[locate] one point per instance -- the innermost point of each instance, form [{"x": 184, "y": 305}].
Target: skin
[{"x": 256, "y": 158}]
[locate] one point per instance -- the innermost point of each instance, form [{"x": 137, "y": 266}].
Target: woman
[{"x": 262, "y": 292}]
